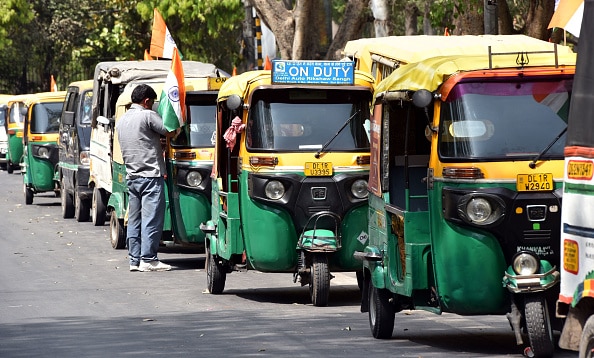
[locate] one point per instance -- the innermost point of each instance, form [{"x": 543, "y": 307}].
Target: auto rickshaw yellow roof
[
  {"x": 5, "y": 97},
  {"x": 239, "y": 84},
  {"x": 409, "y": 49},
  {"x": 83, "y": 85},
  {"x": 429, "y": 74},
  {"x": 45, "y": 97}
]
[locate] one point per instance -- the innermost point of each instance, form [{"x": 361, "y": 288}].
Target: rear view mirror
[
  {"x": 233, "y": 102},
  {"x": 422, "y": 98},
  {"x": 23, "y": 110},
  {"x": 68, "y": 118}
]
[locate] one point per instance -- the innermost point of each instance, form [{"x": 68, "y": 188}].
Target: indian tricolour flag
[
  {"x": 172, "y": 104},
  {"x": 162, "y": 44}
]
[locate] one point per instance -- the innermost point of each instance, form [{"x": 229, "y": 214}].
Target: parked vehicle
[
  {"x": 107, "y": 170},
  {"x": 39, "y": 168},
  {"x": 74, "y": 159},
  {"x": 289, "y": 192},
  {"x": 3, "y": 136},
  {"x": 465, "y": 189},
  {"x": 14, "y": 132},
  {"x": 576, "y": 298}
]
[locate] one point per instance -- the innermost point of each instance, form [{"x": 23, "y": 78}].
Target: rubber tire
[
  {"x": 215, "y": 275},
  {"x": 381, "y": 313},
  {"x": 319, "y": 282},
  {"x": 82, "y": 208},
  {"x": 538, "y": 325},
  {"x": 66, "y": 202},
  {"x": 98, "y": 207},
  {"x": 117, "y": 232},
  {"x": 587, "y": 339},
  {"x": 28, "y": 195},
  {"x": 9, "y": 167}
]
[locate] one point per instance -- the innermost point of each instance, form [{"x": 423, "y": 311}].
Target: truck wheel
[
  {"x": 587, "y": 340},
  {"x": 66, "y": 201},
  {"x": 319, "y": 283},
  {"x": 81, "y": 208},
  {"x": 28, "y": 195},
  {"x": 381, "y": 313},
  {"x": 538, "y": 325},
  {"x": 98, "y": 207},
  {"x": 117, "y": 234},
  {"x": 215, "y": 274}
]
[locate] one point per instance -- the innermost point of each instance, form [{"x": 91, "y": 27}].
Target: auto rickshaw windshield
[
  {"x": 201, "y": 128},
  {"x": 504, "y": 120},
  {"x": 46, "y": 117},
  {"x": 276, "y": 124},
  {"x": 3, "y": 111}
]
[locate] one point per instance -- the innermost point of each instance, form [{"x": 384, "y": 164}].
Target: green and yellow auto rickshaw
[
  {"x": 465, "y": 189},
  {"x": 290, "y": 173},
  {"x": 3, "y": 137},
  {"x": 40, "y": 143},
  {"x": 14, "y": 131}
]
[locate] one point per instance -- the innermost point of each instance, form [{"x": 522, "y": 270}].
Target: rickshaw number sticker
[
  {"x": 571, "y": 256},
  {"x": 318, "y": 169},
  {"x": 579, "y": 169},
  {"x": 363, "y": 237},
  {"x": 535, "y": 182}
]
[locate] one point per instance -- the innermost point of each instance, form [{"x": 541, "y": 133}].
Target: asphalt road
[{"x": 64, "y": 292}]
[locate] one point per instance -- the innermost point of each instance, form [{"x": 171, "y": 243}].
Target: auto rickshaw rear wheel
[
  {"x": 117, "y": 234},
  {"x": 587, "y": 339},
  {"x": 98, "y": 207},
  {"x": 381, "y": 312},
  {"x": 538, "y": 325},
  {"x": 66, "y": 202},
  {"x": 319, "y": 283},
  {"x": 215, "y": 273},
  {"x": 28, "y": 195},
  {"x": 82, "y": 208}
]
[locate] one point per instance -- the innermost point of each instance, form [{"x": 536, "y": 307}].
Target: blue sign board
[{"x": 313, "y": 72}]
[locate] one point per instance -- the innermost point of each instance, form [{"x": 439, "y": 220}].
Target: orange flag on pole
[
  {"x": 147, "y": 56},
  {"x": 172, "y": 104},
  {"x": 162, "y": 44},
  {"x": 267, "y": 63},
  {"x": 53, "y": 85}
]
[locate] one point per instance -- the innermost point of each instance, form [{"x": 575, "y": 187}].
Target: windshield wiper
[
  {"x": 317, "y": 155},
  {"x": 532, "y": 164}
]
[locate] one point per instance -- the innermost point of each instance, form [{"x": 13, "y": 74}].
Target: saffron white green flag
[{"x": 172, "y": 104}]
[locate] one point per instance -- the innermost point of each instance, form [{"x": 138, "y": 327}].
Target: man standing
[{"x": 139, "y": 132}]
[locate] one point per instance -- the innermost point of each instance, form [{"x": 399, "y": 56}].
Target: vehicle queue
[{"x": 407, "y": 172}]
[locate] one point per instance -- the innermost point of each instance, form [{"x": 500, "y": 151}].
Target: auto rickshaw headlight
[
  {"x": 481, "y": 209},
  {"x": 43, "y": 152},
  {"x": 194, "y": 178},
  {"x": 359, "y": 189},
  {"x": 525, "y": 263},
  {"x": 84, "y": 157},
  {"x": 274, "y": 190},
  {"x": 478, "y": 210}
]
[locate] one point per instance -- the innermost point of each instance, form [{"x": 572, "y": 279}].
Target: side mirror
[
  {"x": 68, "y": 118},
  {"x": 23, "y": 110},
  {"x": 422, "y": 98},
  {"x": 103, "y": 120},
  {"x": 233, "y": 102}
]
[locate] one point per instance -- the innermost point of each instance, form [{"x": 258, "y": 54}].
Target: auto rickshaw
[
  {"x": 14, "y": 131},
  {"x": 576, "y": 298},
  {"x": 40, "y": 143},
  {"x": 74, "y": 160},
  {"x": 188, "y": 159},
  {"x": 3, "y": 137},
  {"x": 290, "y": 172},
  {"x": 107, "y": 176},
  {"x": 465, "y": 189}
]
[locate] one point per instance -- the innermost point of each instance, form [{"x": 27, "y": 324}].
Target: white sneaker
[
  {"x": 134, "y": 268},
  {"x": 153, "y": 266}
]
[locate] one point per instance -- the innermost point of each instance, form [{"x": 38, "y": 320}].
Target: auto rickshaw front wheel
[
  {"x": 215, "y": 273},
  {"x": 587, "y": 339},
  {"x": 319, "y": 282},
  {"x": 66, "y": 202},
  {"x": 82, "y": 208},
  {"x": 9, "y": 167},
  {"x": 28, "y": 195},
  {"x": 538, "y": 325},
  {"x": 117, "y": 232},
  {"x": 98, "y": 207},
  {"x": 381, "y": 312}
]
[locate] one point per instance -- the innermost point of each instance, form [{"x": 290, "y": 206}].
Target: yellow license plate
[
  {"x": 318, "y": 169},
  {"x": 535, "y": 182}
]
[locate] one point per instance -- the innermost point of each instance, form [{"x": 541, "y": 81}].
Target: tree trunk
[
  {"x": 539, "y": 16},
  {"x": 411, "y": 12},
  {"x": 381, "y": 14},
  {"x": 280, "y": 21},
  {"x": 470, "y": 21},
  {"x": 355, "y": 16},
  {"x": 505, "y": 23},
  {"x": 427, "y": 28}
]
